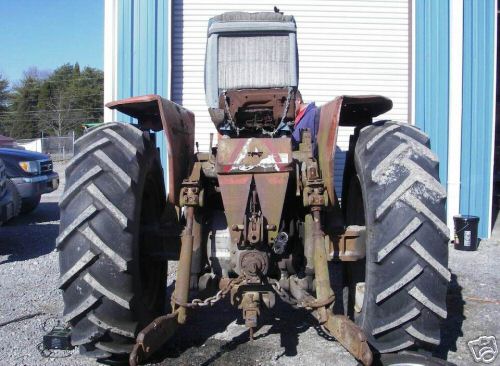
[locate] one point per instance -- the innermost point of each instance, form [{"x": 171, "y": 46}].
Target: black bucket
[{"x": 466, "y": 232}]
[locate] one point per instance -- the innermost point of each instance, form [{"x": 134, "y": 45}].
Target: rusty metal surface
[
  {"x": 271, "y": 189},
  {"x": 322, "y": 277},
  {"x": 350, "y": 336},
  {"x": 347, "y": 246},
  {"x": 341, "y": 327},
  {"x": 212, "y": 300},
  {"x": 245, "y": 103},
  {"x": 250, "y": 304},
  {"x": 181, "y": 292},
  {"x": 346, "y": 111},
  {"x": 156, "y": 113},
  {"x": 254, "y": 155},
  {"x": 160, "y": 330},
  {"x": 298, "y": 288},
  {"x": 253, "y": 264},
  {"x": 327, "y": 140},
  {"x": 235, "y": 190},
  {"x": 308, "y": 245},
  {"x": 197, "y": 254},
  {"x": 151, "y": 338}
]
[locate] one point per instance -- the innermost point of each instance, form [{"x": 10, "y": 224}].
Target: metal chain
[
  {"x": 286, "y": 297},
  {"x": 283, "y": 294},
  {"x": 210, "y": 301},
  {"x": 283, "y": 116},
  {"x": 287, "y": 105},
  {"x": 231, "y": 122},
  {"x": 285, "y": 112}
]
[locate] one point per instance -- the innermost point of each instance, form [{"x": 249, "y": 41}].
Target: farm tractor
[{"x": 255, "y": 219}]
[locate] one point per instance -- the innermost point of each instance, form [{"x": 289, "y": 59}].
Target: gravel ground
[{"x": 28, "y": 282}]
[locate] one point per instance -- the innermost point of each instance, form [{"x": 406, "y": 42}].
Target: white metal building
[{"x": 345, "y": 47}]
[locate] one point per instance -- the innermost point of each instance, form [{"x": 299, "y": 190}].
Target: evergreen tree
[
  {"x": 23, "y": 120},
  {"x": 53, "y": 104},
  {"x": 4, "y": 103},
  {"x": 70, "y": 98}
]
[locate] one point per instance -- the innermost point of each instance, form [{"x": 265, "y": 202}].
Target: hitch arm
[
  {"x": 181, "y": 292},
  {"x": 349, "y": 335},
  {"x": 341, "y": 327},
  {"x": 323, "y": 287},
  {"x": 151, "y": 338}
]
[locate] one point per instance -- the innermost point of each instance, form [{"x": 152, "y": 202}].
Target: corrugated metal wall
[
  {"x": 477, "y": 114},
  {"x": 432, "y": 76},
  {"x": 432, "y": 96},
  {"x": 143, "y": 53},
  {"x": 345, "y": 47}
]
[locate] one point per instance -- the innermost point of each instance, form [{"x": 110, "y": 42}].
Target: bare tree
[{"x": 61, "y": 115}]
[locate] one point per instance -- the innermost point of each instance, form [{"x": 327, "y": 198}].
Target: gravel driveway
[{"x": 28, "y": 287}]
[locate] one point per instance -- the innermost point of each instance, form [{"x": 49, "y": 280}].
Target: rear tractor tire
[
  {"x": 112, "y": 287},
  {"x": 406, "y": 275}
]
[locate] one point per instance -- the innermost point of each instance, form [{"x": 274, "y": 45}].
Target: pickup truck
[
  {"x": 7, "y": 210},
  {"x": 32, "y": 174}
]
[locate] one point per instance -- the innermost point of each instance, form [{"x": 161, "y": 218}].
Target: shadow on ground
[
  {"x": 217, "y": 336},
  {"x": 211, "y": 337},
  {"x": 37, "y": 237},
  {"x": 197, "y": 341},
  {"x": 451, "y": 327}
]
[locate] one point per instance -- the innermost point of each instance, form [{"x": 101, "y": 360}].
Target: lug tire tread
[
  {"x": 407, "y": 242},
  {"x": 100, "y": 214}
]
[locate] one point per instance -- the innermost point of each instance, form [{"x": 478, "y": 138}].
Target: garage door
[{"x": 345, "y": 47}]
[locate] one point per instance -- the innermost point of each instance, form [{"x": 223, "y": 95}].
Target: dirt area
[{"x": 28, "y": 287}]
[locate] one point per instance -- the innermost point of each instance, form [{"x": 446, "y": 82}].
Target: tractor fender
[
  {"x": 156, "y": 113},
  {"x": 345, "y": 110}
]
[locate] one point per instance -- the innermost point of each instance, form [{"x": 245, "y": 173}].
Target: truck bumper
[
  {"x": 6, "y": 207},
  {"x": 29, "y": 187}
]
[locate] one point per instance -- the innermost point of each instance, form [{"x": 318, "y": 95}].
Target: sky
[{"x": 50, "y": 33}]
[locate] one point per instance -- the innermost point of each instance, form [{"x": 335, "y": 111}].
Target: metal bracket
[
  {"x": 348, "y": 246},
  {"x": 191, "y": 193},
  {"x": 251, "y": 310}
]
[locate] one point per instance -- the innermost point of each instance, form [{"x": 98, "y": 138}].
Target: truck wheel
[
  {"x": 112, "y": 286},
  {"x": 407, "y": 239},
  {"x": 16, "y": 197},
  {"x": 29, "y": 204}
]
